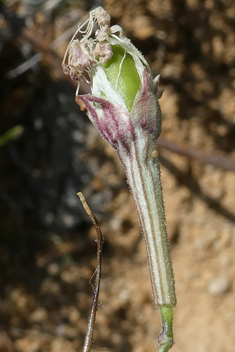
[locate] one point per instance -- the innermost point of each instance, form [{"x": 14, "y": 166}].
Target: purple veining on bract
[
  {"x": 112, "y": 120},
  {"x": 116, "y": 124}
]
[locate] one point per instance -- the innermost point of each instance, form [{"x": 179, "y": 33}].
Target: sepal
[{"x": 111, "y": 119}]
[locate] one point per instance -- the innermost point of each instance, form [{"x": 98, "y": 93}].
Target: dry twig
[{"x": 91, "y": 322}]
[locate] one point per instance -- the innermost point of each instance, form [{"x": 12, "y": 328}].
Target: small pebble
[
  {"x": 53, "y": 269},
  {"x": 39, "y": 315},
  {"x": 219, "y": 286}
]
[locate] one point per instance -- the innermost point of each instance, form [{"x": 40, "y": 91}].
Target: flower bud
[
  {"x": 123, "y": 105},
  {"x": 119, "y": 77}
]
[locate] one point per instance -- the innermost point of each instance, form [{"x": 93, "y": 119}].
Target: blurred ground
[{"x": 47, "y": 248}]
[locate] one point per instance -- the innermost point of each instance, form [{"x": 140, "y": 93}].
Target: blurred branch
[
  {"x": 27, "y": 65},
  {"x": 191, "y": 182},
  {"x": 190, "y": 153}
]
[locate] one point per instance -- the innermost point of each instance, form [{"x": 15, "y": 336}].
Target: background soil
[{"x": 47, "y": 247}]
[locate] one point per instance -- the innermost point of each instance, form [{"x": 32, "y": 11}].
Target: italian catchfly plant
[{"x": 123, "y": 106}]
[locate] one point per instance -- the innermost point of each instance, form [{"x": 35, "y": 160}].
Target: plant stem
[
  {"x": 143, "y": 175},
  {"x": 165, "y": 339},
  {"x": 123, "y": 106}
]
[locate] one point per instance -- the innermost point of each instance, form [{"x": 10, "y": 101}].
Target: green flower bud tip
[{"x": 123, "y": 75}]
